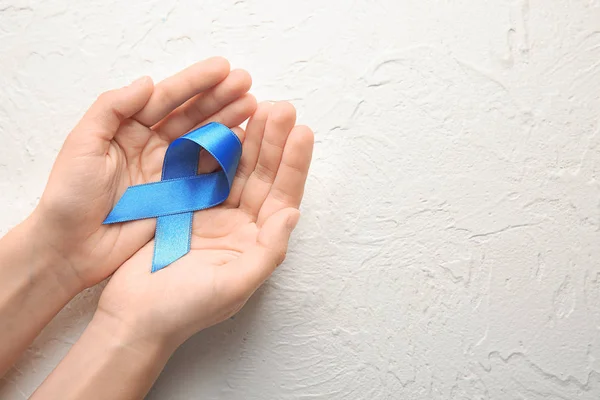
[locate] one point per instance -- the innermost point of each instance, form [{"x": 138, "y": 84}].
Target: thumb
[
  {"x": 103, "y": 118},
  {"x": 257, "y": 264},
  {"x": 276, "y": 231}
]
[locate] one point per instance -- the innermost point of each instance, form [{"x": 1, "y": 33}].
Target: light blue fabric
[{"x": 173, "y": 200}]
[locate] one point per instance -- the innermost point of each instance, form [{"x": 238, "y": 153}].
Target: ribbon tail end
[{"x": 157, "y": 265}]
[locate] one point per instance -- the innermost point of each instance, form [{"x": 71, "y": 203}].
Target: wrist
[
  {"x": 119, "y": 335},
  {"x": 109, "y": 361},
  {"x": 49, "y": 258},
  {"x": 34, "y": 289}
]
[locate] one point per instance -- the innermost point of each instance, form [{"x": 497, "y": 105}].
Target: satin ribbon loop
[{"x": 173, "y": 200}]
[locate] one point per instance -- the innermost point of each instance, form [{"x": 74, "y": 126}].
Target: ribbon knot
[{"x": 181, "y": 191}]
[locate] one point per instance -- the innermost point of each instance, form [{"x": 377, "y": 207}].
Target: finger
[
  {"x": 279, "y": 124},
  {"x": 288, "y": 187},
  {"x": 177, "y": 89},
  {"x": 207, "y": 163},
  {"x": 250, "y": 151},
  {"x": 203, "y": 105},
  {"x": 104, "y": 117},
  {"x": 235, "y": 113},
  {"x": 243, "y": 276}
]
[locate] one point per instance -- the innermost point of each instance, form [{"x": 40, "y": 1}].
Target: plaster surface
[{"x": 449, "y": 246}]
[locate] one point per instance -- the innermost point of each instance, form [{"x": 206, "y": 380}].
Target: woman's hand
[
  {"x": 121, "y": 141},
  {"x": 234, "y": 247}
]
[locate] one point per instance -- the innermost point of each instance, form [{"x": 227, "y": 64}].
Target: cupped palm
[{"x": 234, "y": 247}]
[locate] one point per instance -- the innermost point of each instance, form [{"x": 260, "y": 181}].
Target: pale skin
[{"x": 142, "y": 317}]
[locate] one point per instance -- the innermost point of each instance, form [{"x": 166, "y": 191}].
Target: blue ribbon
[{"x": 173, "y": 200}]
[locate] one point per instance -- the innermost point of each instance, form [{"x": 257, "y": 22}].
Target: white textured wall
[{"x": 450, "y": 244}]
